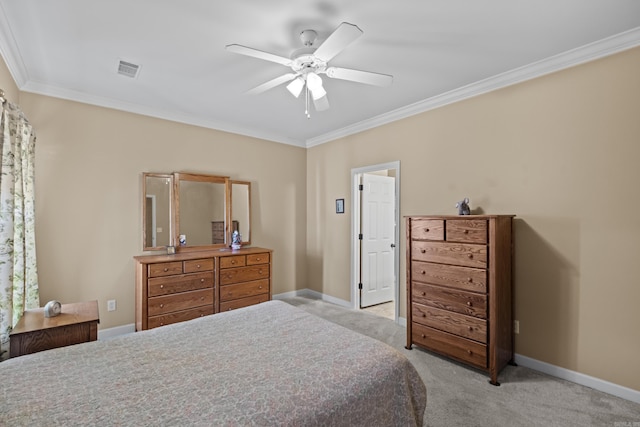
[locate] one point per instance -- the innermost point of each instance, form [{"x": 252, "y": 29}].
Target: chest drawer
[
  {"x": 233, "y": 261},
  {"x": 451, "y": 345},
  {"x": 182, "y": 283},
  {"x": 242, "y": 290},
  {"x": 196, "y": 265},
  {"x": 427, "y": 229},
  {"x": 182, "y": 301},
  {"x": 244, "y": 274},
  {"x": 254, "y": 259},
  {"x": 470, "y": 279},
  {"x": 466, "y": 231},
  {"x": 164, "y": 269},
  {"x": 179, "y": 316},
  {"x": 243, "y": 302},
  {"x": 448, "y": 321},
  {"x": 450, "y": 253},
  {"x": 451, "y": 299}
]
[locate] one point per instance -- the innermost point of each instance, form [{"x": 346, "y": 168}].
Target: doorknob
[{"x": 393, "y": 245}]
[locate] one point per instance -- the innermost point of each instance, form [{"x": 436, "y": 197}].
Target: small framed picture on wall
[{"x": 339, "y": 206}]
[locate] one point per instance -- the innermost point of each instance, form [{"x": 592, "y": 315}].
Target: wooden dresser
[
  {"x": 175, "y": 288},
  {"x": 459, "y": 288}
]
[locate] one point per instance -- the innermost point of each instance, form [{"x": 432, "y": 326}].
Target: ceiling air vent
[{"x": 128, "y": 69}]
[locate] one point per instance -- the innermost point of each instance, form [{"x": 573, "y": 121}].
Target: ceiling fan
[{"x": 309, "y": 62}]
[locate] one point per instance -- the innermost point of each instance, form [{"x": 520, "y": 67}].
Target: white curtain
[{"x": 18, "y": 273}]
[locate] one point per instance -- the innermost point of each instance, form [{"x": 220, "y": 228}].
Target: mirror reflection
[
  {"x": 201, "y": 210},
  {"x": 241, "y": 209},
  {"x": 156, "y": 208}
]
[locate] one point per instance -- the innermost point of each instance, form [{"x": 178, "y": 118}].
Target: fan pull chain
[{"x": 306, "y": 101}]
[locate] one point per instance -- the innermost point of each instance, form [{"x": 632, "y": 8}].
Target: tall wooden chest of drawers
[
  {"x": 183, "y": 286},
  {"x": 459, "y": 288}
]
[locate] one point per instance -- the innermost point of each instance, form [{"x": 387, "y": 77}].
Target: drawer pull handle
[
  {"x": 426, "y": 230},
  {"x": 197, "y": 265},
  {"x": 424, "y": 315},
  {"x": 233, "y": 261},
  {"x": 161, "y": 323},
  {"x": 260, "y": 287},
  {"x": 424, "y": 294},
  {"x": 201, "y": 315},
  {"x": 470, "y": 279},
  {"x": 201, "y": 280},
  {"x": 260, "y": 271},
  {"x": 471, "y": 328},
  {"x": 201, "y": 298},
  {"x": 258, "y": 259},
  {"x": 423, "y": 336},
  {"x": 165, "y": 269},
  {"x": 469, "y": 303},
  {"x": 423, "y": 272},
  {"x": 161, "y": 305},
  {"x": 470, "y": 352},
  {"x": 470, "y": 256},
  {"x": 466, "y": 231},
  {"x": 161, "y": 286},
  {"x": 423, "y": 250}
]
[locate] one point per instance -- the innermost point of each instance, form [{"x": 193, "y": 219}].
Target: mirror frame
[
  {"x": 248, "y": 184},
  {"x": 192, "y": 177},
  {"x": 169, "y": 176}
]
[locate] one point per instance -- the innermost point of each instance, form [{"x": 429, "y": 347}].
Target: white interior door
[{"x": 378, "y": 235}]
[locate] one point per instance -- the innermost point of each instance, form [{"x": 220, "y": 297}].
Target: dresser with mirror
[{"x": 188, "y": 222}]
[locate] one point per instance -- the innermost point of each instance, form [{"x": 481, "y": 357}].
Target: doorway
[{"x": 375, "y": 223}]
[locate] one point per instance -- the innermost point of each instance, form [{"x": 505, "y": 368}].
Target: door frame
[{"x": 355, "y": 227}]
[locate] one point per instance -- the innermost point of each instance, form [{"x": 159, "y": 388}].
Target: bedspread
[{"x": 268, "y": 364}]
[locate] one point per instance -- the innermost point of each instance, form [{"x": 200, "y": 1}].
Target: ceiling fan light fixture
[{"x": 295, "y": 87}]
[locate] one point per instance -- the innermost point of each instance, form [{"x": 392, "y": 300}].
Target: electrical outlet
[
  {"x": 516, "y": 326},
  {"x": 111, "y": 305}
]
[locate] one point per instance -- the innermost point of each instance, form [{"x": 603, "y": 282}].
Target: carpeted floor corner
[{"x": 461, "y": 396}]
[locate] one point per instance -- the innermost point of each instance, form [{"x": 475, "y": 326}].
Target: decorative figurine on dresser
[{"x": 459, "y": 288}]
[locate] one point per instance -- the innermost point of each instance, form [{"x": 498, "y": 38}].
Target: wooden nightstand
[{"x": 77, "y": 323}]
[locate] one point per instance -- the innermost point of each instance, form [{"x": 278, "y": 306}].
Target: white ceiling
[{"x": 438, "y": 51}]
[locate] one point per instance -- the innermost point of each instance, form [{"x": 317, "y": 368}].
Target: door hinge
[
  {"x": 360, "y": 236},
  {"x": 360, "y": 187},
  {"x": 359, "y": 285}
]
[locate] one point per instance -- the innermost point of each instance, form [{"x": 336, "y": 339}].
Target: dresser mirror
[
  {"x": 201, "y": 210},
  {"x": 157, "y": 230},
  {"x": 241, "y": 209}
]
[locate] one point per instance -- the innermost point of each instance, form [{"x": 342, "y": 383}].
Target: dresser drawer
[
  {"x": 470, "y": 279},
  {"x": 450, "y": 253},
  {"x": 427, "y": 229},
  {"x": 466, "y": 231},
  {"x": 179, "y": 316},
  {"x": 196, "y": 265},
  {"x": 164, "y": 269},
  {"x": 242, "y": 290},
  {"x": 182, "y": 283},
  {"x": 450, "y": 345},
  {"x": 233, "y": 261},
  {"x": 254, "y": 259},
  {"x": 244, "y": 274},
  {"x": 459, "y": 301},
  {"x": 182, "y": 301},
  {"x": 448, "y": 321},
  {"x": 243, "y": 302}
]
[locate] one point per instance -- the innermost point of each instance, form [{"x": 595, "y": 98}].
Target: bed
[{"x": 267, "y": 364}]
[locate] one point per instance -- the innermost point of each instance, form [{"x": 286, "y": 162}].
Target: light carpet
[{"x": 461, "y": 396}]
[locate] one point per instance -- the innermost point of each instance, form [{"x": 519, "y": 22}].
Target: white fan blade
[
  {"x": 344, "y": 35},
  {"x": 248, "y": 51},
  {"x": 367, "y": 77},
  {"x": 272, "y": 83},
  {"x": 321, "y": 104}
]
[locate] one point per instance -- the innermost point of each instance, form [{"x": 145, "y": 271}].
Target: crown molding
[
  {"x": 10, "y": 52},
  {"x": 590, "y": 52}
]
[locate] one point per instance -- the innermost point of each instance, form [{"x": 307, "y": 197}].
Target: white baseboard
[
  {"x": 105, "y": 334},
  {"x": 309, "y": 293},
  {"x": 578, "y": 378}
]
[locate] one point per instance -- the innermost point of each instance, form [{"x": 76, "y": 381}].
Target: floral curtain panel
[{"x": 18, "y": 273}]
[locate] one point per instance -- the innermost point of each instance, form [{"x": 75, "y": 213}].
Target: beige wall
[{"x": 561, "y": 152}]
